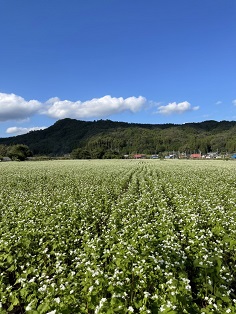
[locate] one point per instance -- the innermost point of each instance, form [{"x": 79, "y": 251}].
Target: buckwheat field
[{"x": 118, "y": 236}]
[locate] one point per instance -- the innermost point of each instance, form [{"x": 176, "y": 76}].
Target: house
[
  {"x": 139, "y": 156},
  {"x": 6, "y": 159},
  {"x": 211, "y": 155},
  {"x": 183, "y": 156},
  {"x": 171, "y": 156},
  {"x": 195, "y": 156}
]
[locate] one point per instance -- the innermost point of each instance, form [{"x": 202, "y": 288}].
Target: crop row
[{"x": 118, "y": 237}]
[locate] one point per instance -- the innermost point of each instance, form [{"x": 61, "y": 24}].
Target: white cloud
[
  {"x": 234, "y": 102},
  {"x": 13, "y": 107},
  {"x": 96, "y": 107},
  {"x": 219, "y": 102},
  {"x": 18, "y": 130},
  {"x": 174, "y": 107}
]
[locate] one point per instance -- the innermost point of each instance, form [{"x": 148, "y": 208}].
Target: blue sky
[{"x": 144, "y": 61}]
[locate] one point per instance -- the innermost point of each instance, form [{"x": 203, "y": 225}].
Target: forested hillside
[{"x": 105, "y": 138}]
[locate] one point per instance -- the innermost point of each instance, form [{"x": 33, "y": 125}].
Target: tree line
[
  {"x": 109, "y": 139},
  {"x": 15, "y": 152}
]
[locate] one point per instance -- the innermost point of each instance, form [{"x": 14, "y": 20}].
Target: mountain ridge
[{"x": 67, "y": 134}]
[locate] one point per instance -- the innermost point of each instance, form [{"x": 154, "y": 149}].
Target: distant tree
[
  {"x": 3, "y": 151},
  {"x": 98, "y": 153},
  {"x": 19, "y": 152},
  {"x": 80, "y": 153},
  {"x": 111, "y": 155},
  {"x": 161, "y": 156}
]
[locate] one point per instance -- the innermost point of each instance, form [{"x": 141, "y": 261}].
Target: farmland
[{"x": 120, "y": 236}]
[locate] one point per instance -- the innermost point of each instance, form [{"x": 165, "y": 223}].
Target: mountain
[{"x": 105, "y": 136}]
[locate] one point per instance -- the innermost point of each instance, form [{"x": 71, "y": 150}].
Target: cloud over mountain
[
  {"x": 19, "y": 130},
  {"x": 94, "y": 108},
  {"x": 13, "y": 107},
  {"x": 174, "y": 107}
]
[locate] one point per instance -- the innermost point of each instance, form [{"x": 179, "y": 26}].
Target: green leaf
[{"x": 9, "y": 258}]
